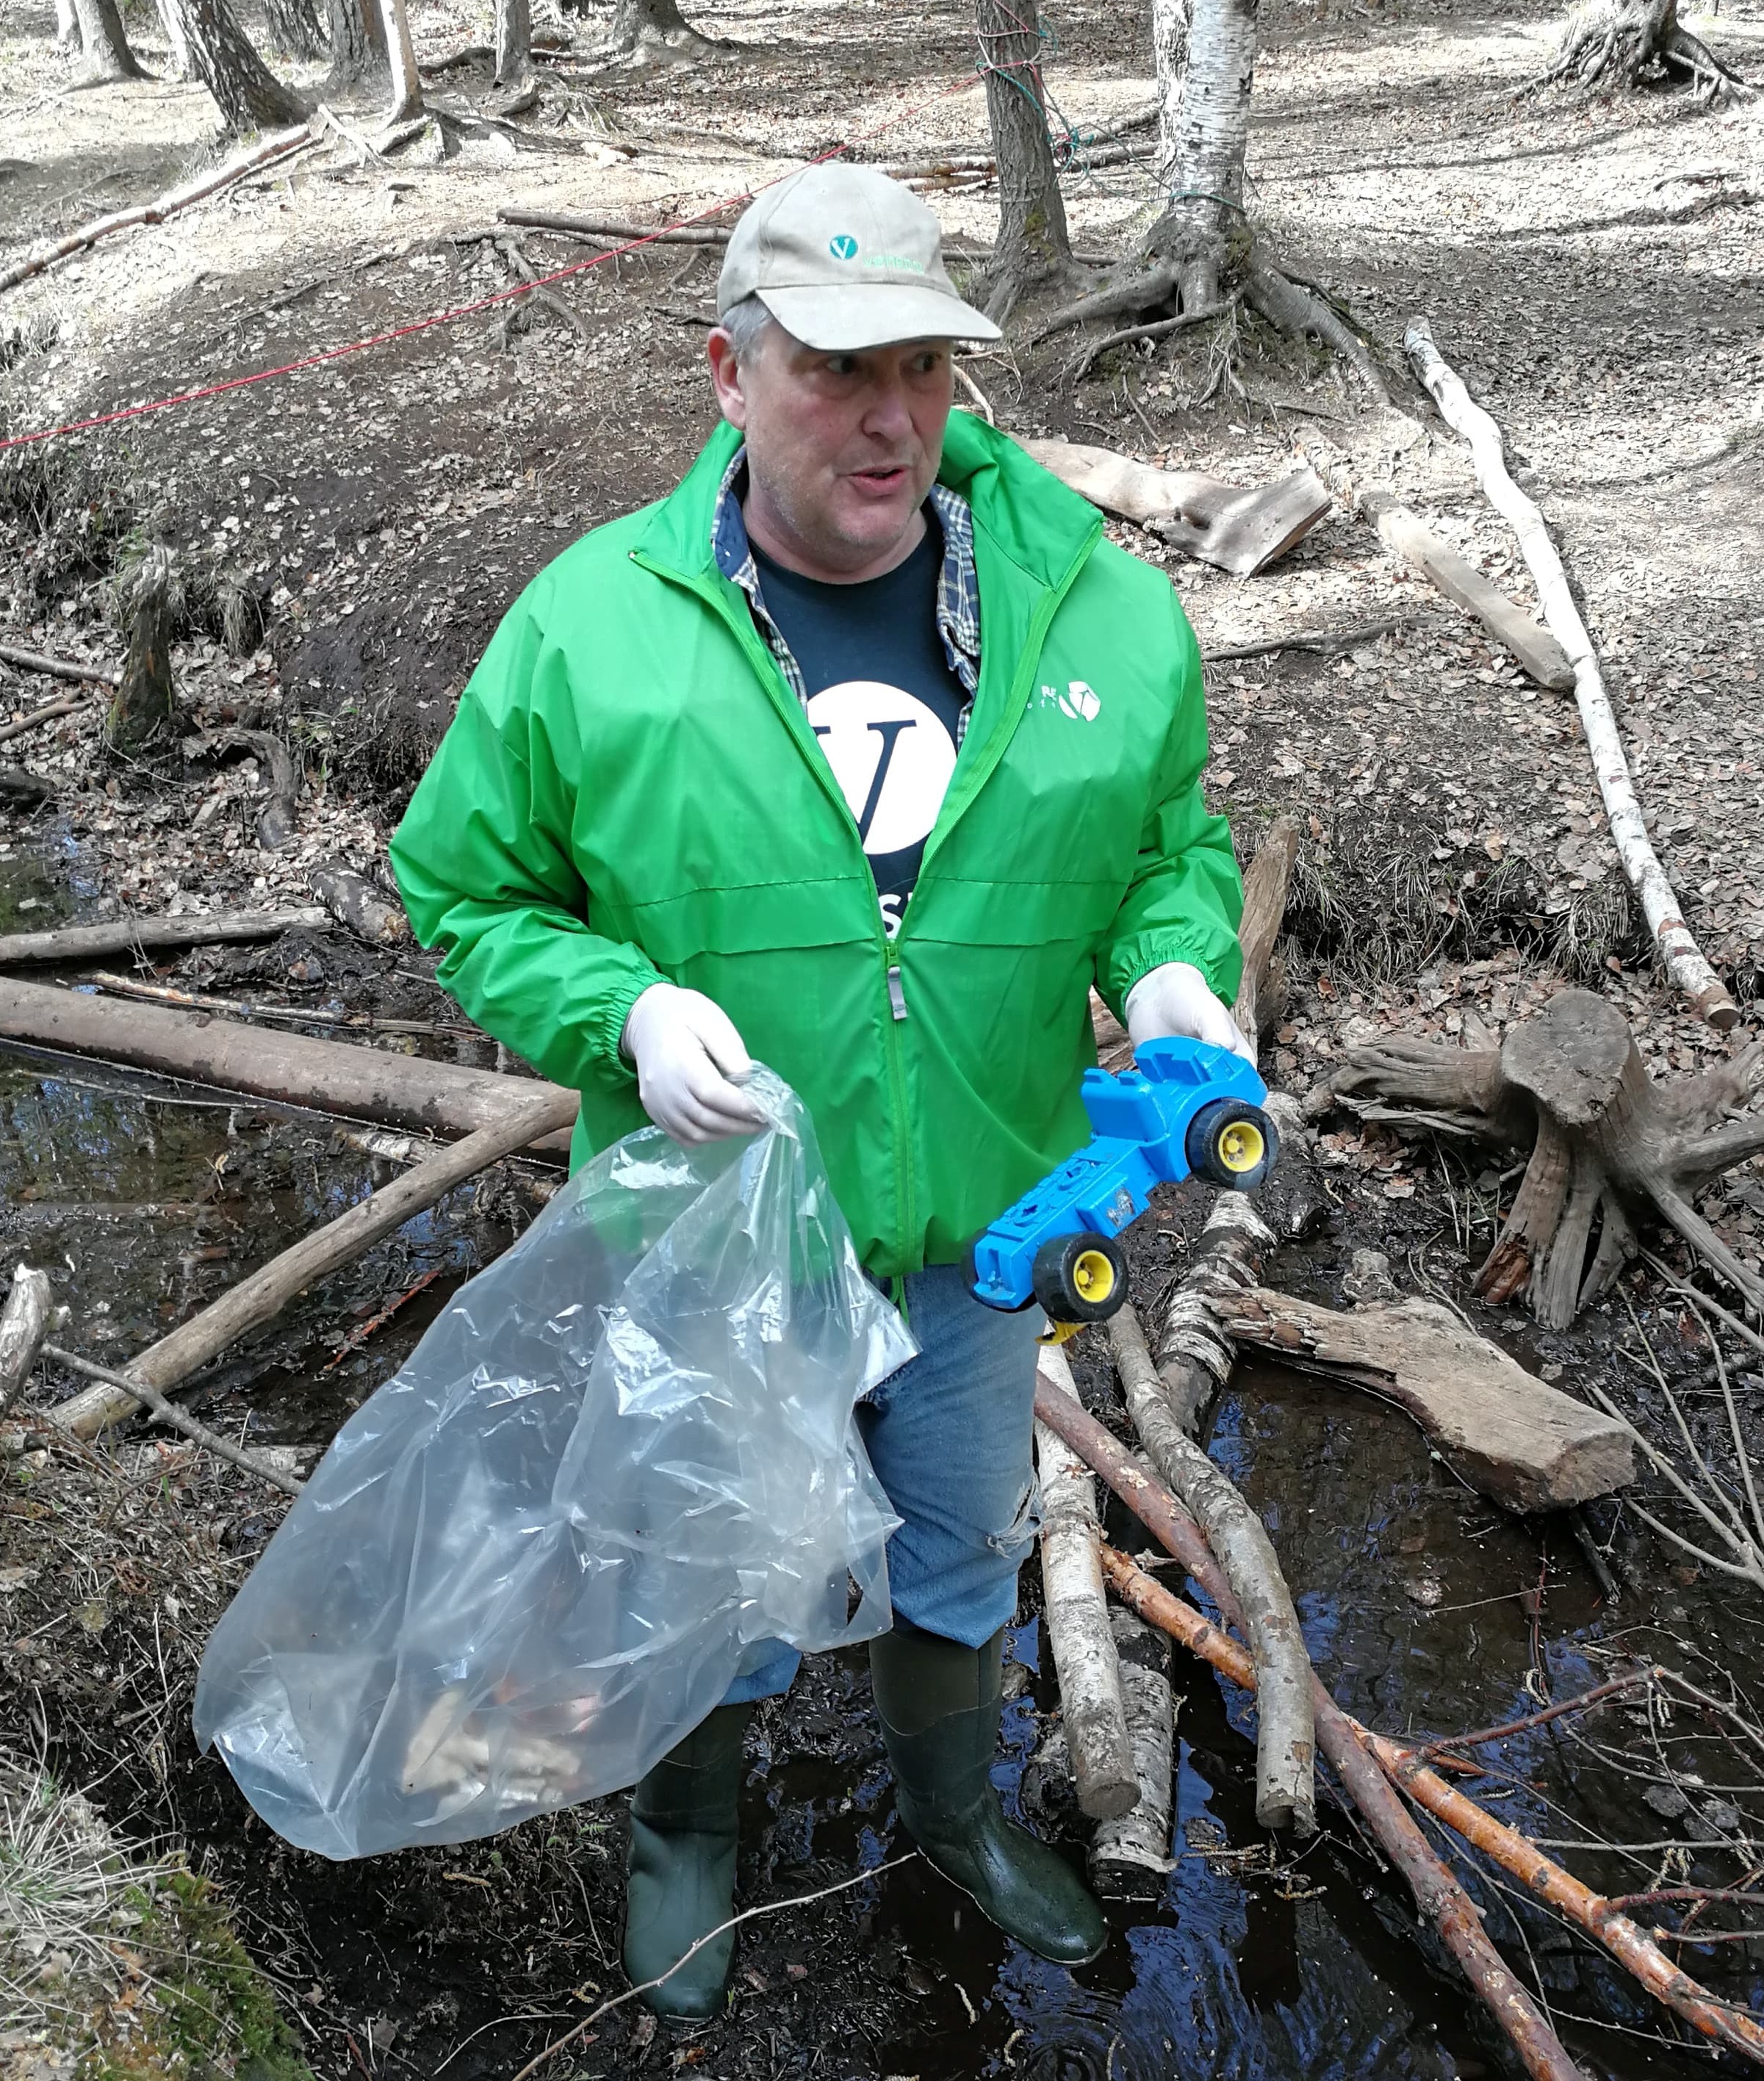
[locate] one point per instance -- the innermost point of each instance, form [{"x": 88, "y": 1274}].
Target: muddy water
[{"x": 1422, "y": 1604}]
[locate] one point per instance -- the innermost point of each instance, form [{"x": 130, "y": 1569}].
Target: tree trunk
[
  {"x": 108, "y": 54},
  {"x": 67, "y": 22},
  {"x": 514, "y": 39},
  {"x": 406, "y": 81},
  {"x": 178, "y": 65},
  {"x": 358, "y": 44},
  {"x": 1212, "y": 134},
  {"x": 644, "y": 30},
  {"x": 248, "y": 94},
  {"x": 1033, "y": 244},
  {"x": 1169, "y": 50},
  {"x": 295, "y": 27},
  {"x": 144, "y": 705}
]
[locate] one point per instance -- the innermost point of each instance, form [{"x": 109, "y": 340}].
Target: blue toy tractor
[{"x": 1186, "y": 1109}]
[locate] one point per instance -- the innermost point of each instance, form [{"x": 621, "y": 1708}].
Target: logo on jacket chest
[{"x": 1077, "y": 699}]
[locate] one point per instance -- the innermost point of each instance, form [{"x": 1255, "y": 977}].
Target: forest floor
[{"x": 349, "y": 537}]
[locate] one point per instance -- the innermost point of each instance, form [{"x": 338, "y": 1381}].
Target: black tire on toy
[
  {"x": 1232, "y": 1143},
  {"x": 1081, "y": 1278}
]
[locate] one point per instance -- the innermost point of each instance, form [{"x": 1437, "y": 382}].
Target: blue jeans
[{"x": 951, "y": 1438}]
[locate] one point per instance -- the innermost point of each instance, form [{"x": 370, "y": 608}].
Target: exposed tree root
[
  {"x": 1196, "y": 276},
  {"x": 1607, "y": 1144},
  {"x": 1617, "y": 44}
]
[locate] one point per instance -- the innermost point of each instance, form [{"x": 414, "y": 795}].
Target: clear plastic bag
[{"x": 534, "y": 1559}]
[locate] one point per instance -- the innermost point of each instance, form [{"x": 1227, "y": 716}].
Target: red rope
[{"x": 462, "y": 310}]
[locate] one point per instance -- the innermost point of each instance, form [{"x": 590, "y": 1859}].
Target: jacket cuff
[
  {"x": 614, "y": 1008},
  {"x": 1130, "y": 964}
]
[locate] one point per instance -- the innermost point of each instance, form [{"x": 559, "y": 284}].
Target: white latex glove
[
  {"x": 1176, "y": 1000},
  {"x": 689, "y": 1061}
]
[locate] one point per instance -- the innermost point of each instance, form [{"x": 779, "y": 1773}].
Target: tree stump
[
  {"x": 144, "y": 703},
  {"x": 1608, "y": 1145}
]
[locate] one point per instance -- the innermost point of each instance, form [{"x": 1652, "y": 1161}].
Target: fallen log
[
  {"x": 138, "y": 1395},
  {"x": 1129, "y": 1857},
  {"x": 1600, "y": 1918},
  {"x": 50, "y": 712},
  {"x": 17, "y": 785},
  {"x": 280, "y": 144},
  {"x": 1324, "y": 641},
  {"x": 295, "y": 1014},
  {"x": 1285, "y": 1737},
  {"x": 263, "y": 1295},
  {"x": 1520, "y": 1443},
  {"x": 24, "y": 1323},
  {"x": 353, "y": 901},
  {"x": 1464, "y": 586},
  {"x": 366, "y": 1084},
  {"x": 1076, "y": 1613},
  {"x": 275, "y": 812},
  {"x": 1437, "y": 1892},
  {"x": 1242, "y": 532},
  {"x": 1262, "y": 986},
  {"x": 125, "y": 935},
  {"x": 1684, "y": 959},
  {"x": 618, "y": 231},
  {"x": 58, "y": 668},
  {"x": 1607, "y": 1143}
]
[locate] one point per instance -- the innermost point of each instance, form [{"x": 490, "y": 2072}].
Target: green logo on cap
[{"x": 844, "y": 247}]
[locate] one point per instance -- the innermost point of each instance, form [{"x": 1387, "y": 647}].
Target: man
[{"x": 861, "y": 752}]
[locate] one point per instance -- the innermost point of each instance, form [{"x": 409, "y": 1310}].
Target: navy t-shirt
[{"x": 882, "y": 701}]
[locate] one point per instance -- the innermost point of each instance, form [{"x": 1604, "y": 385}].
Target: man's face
[{"x": 841, "y": 447}]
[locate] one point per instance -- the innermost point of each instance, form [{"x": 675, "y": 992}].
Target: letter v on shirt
[{"x": 884, "y": 706}]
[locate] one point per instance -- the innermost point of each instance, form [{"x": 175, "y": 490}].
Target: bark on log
[
  {"x": 1464, "y": 586},
  {"x": 1518, "y": 1441},
  {"x": 1607, "y": 1144},
  {"x": 1130, "y": 1857},
  {"x": 328, "y": 1076},
  {"x": 1437, "y": 1892},
  {"x": 276, "y": 815},
  {"x": 1286, "y": 1738},
  {"x": 619, "y": 230},
  {"x": 1240, "y": 531},
  {"x": 58, "y": 668},
  {"x": 265, "y": 152},
  {"x": 1193, "y": 1358},
  {"x": 1678, "y": 950},
  {"x": 263, "y": 1295},
  {"x": 24, "y": 1323},
  {"x": 1598, "y": 1916},
  {"x": 1265, "y": 906},
  {"x": 353, "y": 901},
  {"x": 137, "y": 1394},
  {"x": 1091, "y": 1708},
  {"x": 81, "y": 943}
]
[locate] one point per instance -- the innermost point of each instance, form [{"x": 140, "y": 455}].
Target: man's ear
[{"x": 726, "y": 377}]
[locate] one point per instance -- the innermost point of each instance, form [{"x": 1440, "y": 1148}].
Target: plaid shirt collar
[{"x": 958, "y": 585}]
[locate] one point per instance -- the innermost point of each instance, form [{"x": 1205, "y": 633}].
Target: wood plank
[{"x": 1522, "y": 1443}]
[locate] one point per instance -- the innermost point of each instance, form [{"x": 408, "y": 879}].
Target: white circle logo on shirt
[{"x": 891, "y": 755}]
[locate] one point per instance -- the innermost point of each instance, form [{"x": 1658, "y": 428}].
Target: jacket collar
[{"x": 1021, "y": 510}]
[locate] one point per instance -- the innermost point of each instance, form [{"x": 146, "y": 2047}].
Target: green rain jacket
[{"x": 630, "y": 792}]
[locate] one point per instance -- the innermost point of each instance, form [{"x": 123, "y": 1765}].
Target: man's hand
[
  {"x": 1176, "y": 1000},
  {"x": 689, "y": 1061}
]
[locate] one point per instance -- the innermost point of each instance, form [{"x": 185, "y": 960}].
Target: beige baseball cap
[{"x": 843, "y": 258}]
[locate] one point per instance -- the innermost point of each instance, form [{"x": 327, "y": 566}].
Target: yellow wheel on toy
[
  {"x": 1081, "y": 1278},
  {"x": 1241, "y": 1146}
]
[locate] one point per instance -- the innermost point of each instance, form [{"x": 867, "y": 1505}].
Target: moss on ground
[{"x": 204, "y": 2012}]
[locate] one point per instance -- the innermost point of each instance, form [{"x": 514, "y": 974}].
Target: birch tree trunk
[
  {"x": 407, "y": 81},
  {"x": 1032, "y": 242},
  {"x": 248, "y": 94},
  {"x": 1212, "y": 135},
  {"x": 67, "y": 22},
  {"x": 108, "y": 54},
  {"x": 179, "y": 66},
  {"x": 1169, "y": 50},
  {"x": 514, "y": 39}
]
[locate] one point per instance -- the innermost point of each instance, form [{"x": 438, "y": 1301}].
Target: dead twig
[
  {"x": 59, "y": 668},
  {"x": 48, "y": 712}
]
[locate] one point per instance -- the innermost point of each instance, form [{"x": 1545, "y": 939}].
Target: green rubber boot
[
  {"x": 680, "y": 1879},
  {"x": 939, "y": 1704}
]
